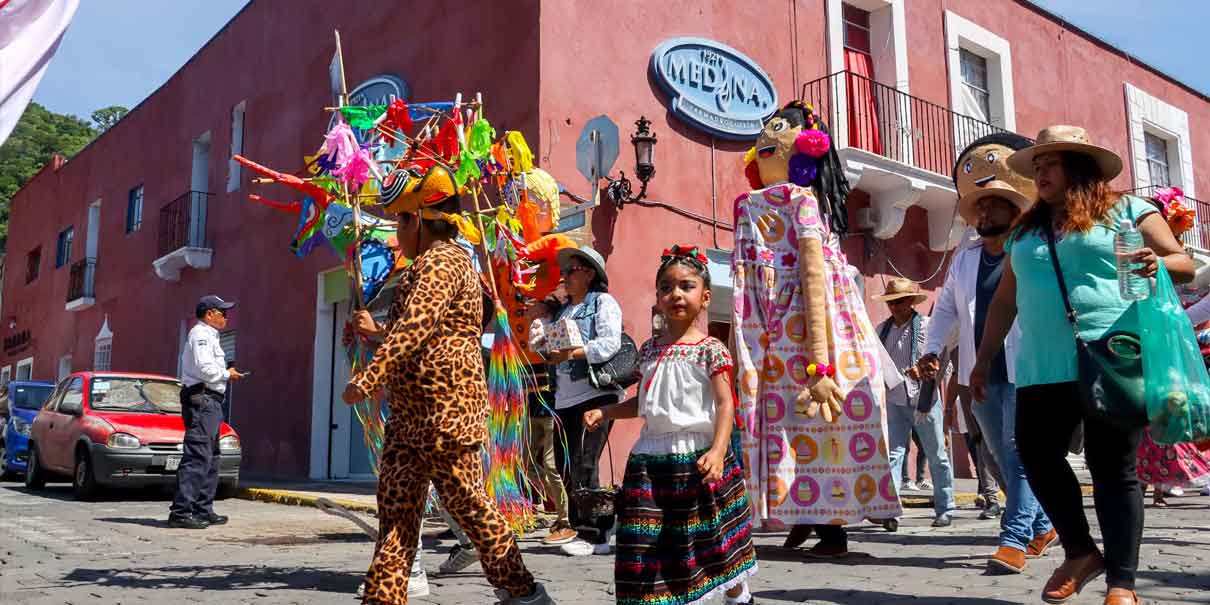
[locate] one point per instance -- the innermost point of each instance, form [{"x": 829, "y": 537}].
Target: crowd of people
[{"x": 803, "y": 421}]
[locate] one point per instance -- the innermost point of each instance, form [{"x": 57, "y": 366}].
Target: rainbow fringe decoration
[
  {"x": 371, "y": 412},
  {"x": 507, "y": 428}
]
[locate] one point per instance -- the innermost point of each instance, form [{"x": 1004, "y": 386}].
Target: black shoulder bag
[
  {"x": 621, "y": 370},
  {"x": 1110, "y": 368}
]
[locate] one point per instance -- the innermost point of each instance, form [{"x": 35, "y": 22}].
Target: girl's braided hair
[{"x": 688, "y": 256}]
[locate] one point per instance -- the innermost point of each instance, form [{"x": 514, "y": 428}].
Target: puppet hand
[{"x": 823, "y": 395}]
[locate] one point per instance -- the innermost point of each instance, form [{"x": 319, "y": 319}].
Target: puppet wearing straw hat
[
  {"x": 431, "y": 366},
  {"x": 807, "y": 358}
]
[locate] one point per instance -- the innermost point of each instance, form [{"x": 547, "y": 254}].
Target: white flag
[{"x": 30, "y": 32}]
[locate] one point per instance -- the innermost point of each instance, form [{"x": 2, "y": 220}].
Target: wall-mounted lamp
[{"x": 644, "y": 142}]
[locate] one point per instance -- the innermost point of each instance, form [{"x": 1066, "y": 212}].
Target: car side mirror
[{"x": 72, "y": 408}]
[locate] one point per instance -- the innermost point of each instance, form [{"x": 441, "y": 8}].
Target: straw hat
[
  {"x": 1066, "y": 138},
  {"x": 968, "y": 204},
  {"x": 901, "y": 287}
]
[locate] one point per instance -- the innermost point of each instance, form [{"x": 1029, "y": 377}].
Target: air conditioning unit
[{"x": 865, "y": 220}]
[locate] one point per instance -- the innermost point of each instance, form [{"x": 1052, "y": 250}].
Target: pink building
[{"x": 108, "y": 252}]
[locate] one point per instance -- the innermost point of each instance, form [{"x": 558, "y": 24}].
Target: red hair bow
[{"x": 693, "y": 252}]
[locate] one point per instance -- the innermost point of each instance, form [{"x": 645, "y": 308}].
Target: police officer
[{"x": 204, "y": 373}]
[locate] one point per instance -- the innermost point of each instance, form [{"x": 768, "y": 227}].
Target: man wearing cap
[
  {"x": 992, "y": 196},
  {"x": 914, "y": 401},
  {"x": 204, "y": 373}
]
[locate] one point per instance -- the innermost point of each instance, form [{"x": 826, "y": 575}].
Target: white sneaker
[
  {"x": 602, "y": 549},
  {"x": 1205, "y": 491},
  {"x": 910, "y": 486},
  {"x": 578, "y": 548},
  {"x": 418, "y": 584},
  {"x": 926, "y": 485},
  {"x": 1175, "y": 492}
]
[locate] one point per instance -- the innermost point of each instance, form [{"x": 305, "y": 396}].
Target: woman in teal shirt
[{"x": 1073, "y": 177}]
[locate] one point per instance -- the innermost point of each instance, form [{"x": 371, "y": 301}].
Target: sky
[{"x": 117, "y": 52}]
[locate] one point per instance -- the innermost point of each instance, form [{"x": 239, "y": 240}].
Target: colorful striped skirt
[{"x": 679, "y": 540}]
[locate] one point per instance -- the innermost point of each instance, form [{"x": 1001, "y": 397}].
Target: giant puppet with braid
[{"x": 807, "y": 358}]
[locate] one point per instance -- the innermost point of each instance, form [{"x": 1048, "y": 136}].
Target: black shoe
[
  {"x": 991, "y": 511},
  {"x": 189, "y": 522},
  {"x": 214, "y": 518}
]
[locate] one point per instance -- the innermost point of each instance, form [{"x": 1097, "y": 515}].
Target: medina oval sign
[{"x": 714, "y": 87}]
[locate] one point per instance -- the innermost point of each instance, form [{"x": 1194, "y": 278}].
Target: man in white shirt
[
  {"x": 204, "y": 373},
  {"x": 974, "y": 275}
]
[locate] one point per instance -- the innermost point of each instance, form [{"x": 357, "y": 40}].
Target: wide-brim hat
[
  {"x": 902, "y": 288},
  {"x": 968, "y": 204},
  {"x": 403, "y": 191},
  {"x": 588, "y": 255},
  {"x": 1066, "y": 138}
]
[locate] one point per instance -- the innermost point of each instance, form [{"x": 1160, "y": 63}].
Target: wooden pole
[
  {"x": 354, "y": 203},
  {"x": 487, "y": 255}
]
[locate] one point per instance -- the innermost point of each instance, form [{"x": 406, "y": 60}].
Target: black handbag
[
  {"x": 1110, "y": 368},
  {"x": 620, "y": 371}
]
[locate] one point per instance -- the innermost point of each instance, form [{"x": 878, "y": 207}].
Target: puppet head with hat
[
  {"x": 982, "y": 172},
  {"x": 427, "y": 202},
  {"x": 794, "y": 146}
]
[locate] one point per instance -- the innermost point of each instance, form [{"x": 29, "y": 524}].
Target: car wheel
[
  {"x": 35, "y": 477},
  {"x": 5, "y": 474},
  {"x": 226, "y": 489},
  {"x": 84, "y": 482}
]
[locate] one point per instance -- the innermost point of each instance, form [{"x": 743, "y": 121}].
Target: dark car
[
  {"x": 19, "y": 404},
  {"x": 111, "y": 429}
]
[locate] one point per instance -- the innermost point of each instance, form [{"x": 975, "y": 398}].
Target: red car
[{"x": 115, "y": 429}]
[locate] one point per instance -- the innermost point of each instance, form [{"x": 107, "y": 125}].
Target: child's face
[{"x": 681, "y": 294}]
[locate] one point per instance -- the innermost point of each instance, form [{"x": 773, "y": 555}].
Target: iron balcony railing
[
  {"x": 183, "y": 222},
  {"x": 1197, "y": 237},
  {"x": 82, "y": 279},
  {"x": 885, "y": 121}
]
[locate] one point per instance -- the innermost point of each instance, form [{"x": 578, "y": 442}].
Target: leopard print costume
[{"x": 432, "y": 368}]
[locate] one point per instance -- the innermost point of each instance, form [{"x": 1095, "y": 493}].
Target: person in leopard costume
[{"x": 430, "y": 364}]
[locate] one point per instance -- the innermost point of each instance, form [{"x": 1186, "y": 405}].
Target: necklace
[{"x": 992, "y": 263}]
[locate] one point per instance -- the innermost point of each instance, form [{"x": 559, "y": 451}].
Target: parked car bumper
[
  {"x": 16, "y": 451},
  {"x": 145, "y": 467}
]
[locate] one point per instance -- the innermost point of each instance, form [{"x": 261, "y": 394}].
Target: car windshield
[
  {"x": 29, "y": 397},
  {"x": 135, "y": 395}
]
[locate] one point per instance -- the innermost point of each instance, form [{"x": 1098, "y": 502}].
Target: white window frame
[
  {"x": 887, "y": 21},
  {"x": 961, "y": 33},
  {"x": 234, "y": 169},
  {"x": 6, "y": 375},
  {"x": 1165, "y": 158},
  {"x": 67, "y": 361},
  {"x": 27, "y": 362},
  {"x": 1149, "y": 114},
  {"x": 103, "y": 348}
]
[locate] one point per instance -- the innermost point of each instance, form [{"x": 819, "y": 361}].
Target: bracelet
[{"x": 821, "y": 369}]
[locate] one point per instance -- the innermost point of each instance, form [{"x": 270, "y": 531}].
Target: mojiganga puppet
[{"x": 810, "y": 390}]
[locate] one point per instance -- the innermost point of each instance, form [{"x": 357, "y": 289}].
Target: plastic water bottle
[{"x": 1127, "y": 241}]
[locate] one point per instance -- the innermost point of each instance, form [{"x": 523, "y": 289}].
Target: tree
[
  {"x": 38, "y": 136},
  {"x": 106, "y": 117}
]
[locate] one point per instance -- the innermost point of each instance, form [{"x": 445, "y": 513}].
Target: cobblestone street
[{"x": 54, "y": 550}]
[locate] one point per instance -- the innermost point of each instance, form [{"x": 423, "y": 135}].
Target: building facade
[{"x": 108, "y": 252}]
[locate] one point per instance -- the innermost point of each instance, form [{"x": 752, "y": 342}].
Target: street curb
[{"x": 290, "y": 498}]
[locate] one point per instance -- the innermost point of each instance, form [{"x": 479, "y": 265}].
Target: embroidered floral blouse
[{"x": 675, "y": 394}]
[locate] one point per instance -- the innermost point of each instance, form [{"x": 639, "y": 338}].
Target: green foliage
[
  {"x": 106, "y": 117},
  {"x": 39, "y": 135}
]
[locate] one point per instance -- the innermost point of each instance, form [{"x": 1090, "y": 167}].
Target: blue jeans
[
  {"x": 900, "y": 419},
  {"x": 1023, "y": 518}
]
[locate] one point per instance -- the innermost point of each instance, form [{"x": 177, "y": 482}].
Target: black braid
[{"x": 831, "y": 186}]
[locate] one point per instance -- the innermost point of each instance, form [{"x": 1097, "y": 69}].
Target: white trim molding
[
  {"x": 1148, "y": 114},
  {"x": 888, "y": 30},
  {"x": 962, "y": 33},
  {"x": 27, "y": 362}
]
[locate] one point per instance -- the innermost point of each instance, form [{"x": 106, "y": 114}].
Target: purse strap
[
  {"x": 608, "y": 448},
  {"x": 1049, "y": 230}
]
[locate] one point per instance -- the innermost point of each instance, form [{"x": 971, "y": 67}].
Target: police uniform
[{"x": 204, "y": 374}]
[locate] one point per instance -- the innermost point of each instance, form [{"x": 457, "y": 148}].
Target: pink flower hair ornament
[{"x": 814, "y": 143}]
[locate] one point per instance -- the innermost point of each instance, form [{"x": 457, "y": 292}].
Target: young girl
[{"x": 684, "y": 522}]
